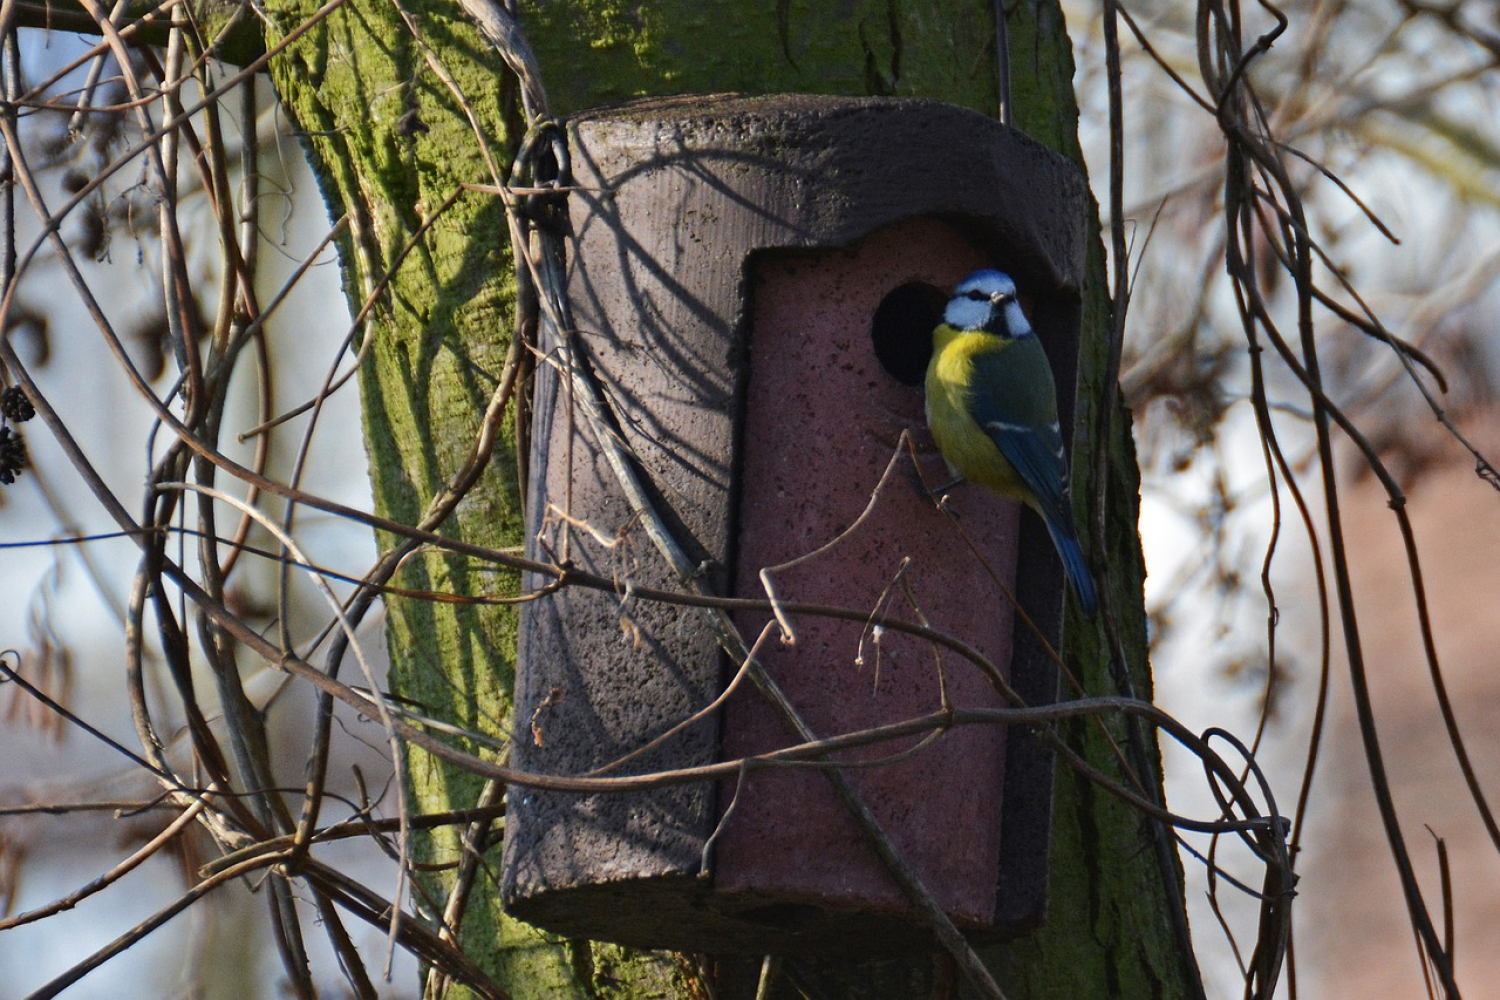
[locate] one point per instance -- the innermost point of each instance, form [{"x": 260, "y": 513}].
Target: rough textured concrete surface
[{"x": 729, "y": 258}]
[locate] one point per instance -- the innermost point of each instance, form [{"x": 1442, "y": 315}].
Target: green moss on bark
[{"x": 357, "y": 88}]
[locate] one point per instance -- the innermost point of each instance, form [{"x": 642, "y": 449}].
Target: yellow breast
[{"x": 969, "y": 451}]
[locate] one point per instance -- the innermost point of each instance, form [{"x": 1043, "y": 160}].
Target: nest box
[{"x": 754, "y": 282}]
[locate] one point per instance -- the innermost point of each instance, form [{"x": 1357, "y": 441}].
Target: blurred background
[{"x": 1397, "y": 100}]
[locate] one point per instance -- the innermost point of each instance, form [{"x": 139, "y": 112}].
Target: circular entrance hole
[{"x": 902, "y": 329}]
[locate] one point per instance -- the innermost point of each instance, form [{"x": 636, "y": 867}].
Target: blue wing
[
  {"x": 1023, "y": 424},
  {"x": 1042, "y": 467},
  {"x": 1037, "y": 457},
  {"x": 1012, "y": 399}
]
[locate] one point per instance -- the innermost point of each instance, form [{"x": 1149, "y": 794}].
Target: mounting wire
[{"x": 1002, "y": 61}]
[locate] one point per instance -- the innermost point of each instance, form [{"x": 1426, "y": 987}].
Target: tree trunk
[{"x": 391, "y": 143}]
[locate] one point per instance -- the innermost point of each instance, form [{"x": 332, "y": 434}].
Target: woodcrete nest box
[{"x": 754, "y": 282}]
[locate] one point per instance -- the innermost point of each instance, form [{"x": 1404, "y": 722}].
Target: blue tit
[{"x": 992, "y": 408}]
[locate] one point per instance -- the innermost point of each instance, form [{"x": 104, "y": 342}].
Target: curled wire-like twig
[{"x": 1251, "y": 157}]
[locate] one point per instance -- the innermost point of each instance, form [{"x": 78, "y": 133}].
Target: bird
[{"x": 992, "y": 409}]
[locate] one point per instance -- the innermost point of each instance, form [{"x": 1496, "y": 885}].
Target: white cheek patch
[
  {"x": 1016, "y": 319},
  {"x": 964, "y": 313}
]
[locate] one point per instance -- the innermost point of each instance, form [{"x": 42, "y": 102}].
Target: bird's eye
[{"x": 976, "y": 295}]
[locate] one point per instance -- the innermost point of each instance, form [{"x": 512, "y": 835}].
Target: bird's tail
[{"x": 1074, "y": 566}]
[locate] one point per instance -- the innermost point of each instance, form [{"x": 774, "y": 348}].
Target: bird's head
[{"x": 986, "y": 300}]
